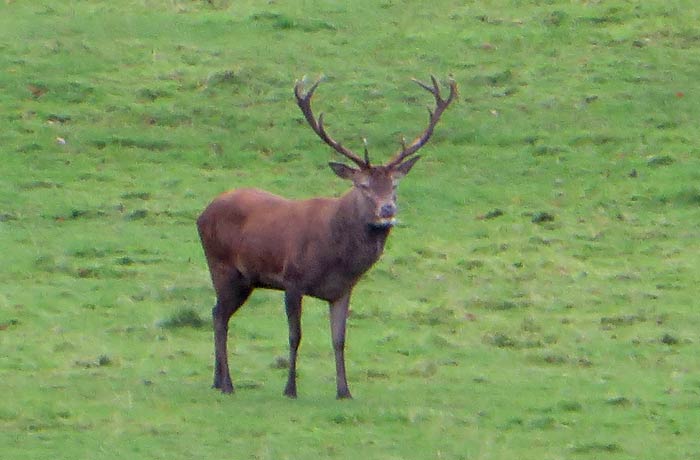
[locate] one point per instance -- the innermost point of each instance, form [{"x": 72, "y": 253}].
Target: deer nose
[{"x": 387, "y": 210}]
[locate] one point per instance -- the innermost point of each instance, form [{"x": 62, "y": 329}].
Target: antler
[
  {"x": 440, "y": 106},
  {"x": 304, "y": 103}
]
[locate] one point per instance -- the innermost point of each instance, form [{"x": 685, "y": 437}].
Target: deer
[{"x": 318, "y": 247}]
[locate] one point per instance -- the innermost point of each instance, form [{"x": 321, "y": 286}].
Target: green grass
[{"x": 538, "y": 299}]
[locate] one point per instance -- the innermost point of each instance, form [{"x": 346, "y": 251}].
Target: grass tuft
[
  {"x": 597, "y": 448},
  {"x": 668, "y": 339},
  {"x": 185, "y": 318}
]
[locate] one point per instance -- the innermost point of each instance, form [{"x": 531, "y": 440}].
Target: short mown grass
[{"x": 537, "y": 299}]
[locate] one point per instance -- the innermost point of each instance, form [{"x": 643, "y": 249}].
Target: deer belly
[
  {"x": 331, "y": 286},
  {"x": 262, "y": 270}
]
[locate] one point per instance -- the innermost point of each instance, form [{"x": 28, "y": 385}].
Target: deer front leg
[
  {"x": 338, "y": 316},
  {"x": 292, "y": 302}
]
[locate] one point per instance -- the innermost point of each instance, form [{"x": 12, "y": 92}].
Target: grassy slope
[{"x": 474, "y": 337}]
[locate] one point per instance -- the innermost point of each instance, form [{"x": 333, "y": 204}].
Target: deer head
[{"x": 376, "y": 185}]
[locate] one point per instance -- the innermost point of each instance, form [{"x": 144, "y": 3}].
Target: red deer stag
[{"x": 318, "y": 247}]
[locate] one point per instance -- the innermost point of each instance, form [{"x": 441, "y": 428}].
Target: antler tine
[
  {"x": 434, "y": 90},
  {"x": 440, "y": 106},
  {"x": 304, "y": 103},
  {"x": 364, "y": 141}
]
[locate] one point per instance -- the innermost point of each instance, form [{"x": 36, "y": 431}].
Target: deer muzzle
[{"x": 386, "y": 216}]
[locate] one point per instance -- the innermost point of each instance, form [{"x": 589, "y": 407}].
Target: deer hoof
[{"x": 225, "y": 389}]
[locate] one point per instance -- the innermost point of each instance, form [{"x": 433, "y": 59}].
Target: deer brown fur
[{"x": 319, "y": 247}]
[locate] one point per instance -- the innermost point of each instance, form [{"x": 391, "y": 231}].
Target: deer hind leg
[
  {"x": 292, "y": 302},
  {"x": 232, "y": 291},
  {"x": 338, "y": 316}
]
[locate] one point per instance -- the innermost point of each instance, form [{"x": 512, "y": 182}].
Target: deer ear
[
  {"x": 403, "y": 168},
  {"x": 343, "y": 171}
]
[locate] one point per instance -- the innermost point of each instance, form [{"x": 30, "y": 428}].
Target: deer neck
[{"x": 353, "y": 230}]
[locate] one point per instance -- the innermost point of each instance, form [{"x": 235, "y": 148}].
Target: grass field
[{"x": 539, "y": 299}]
